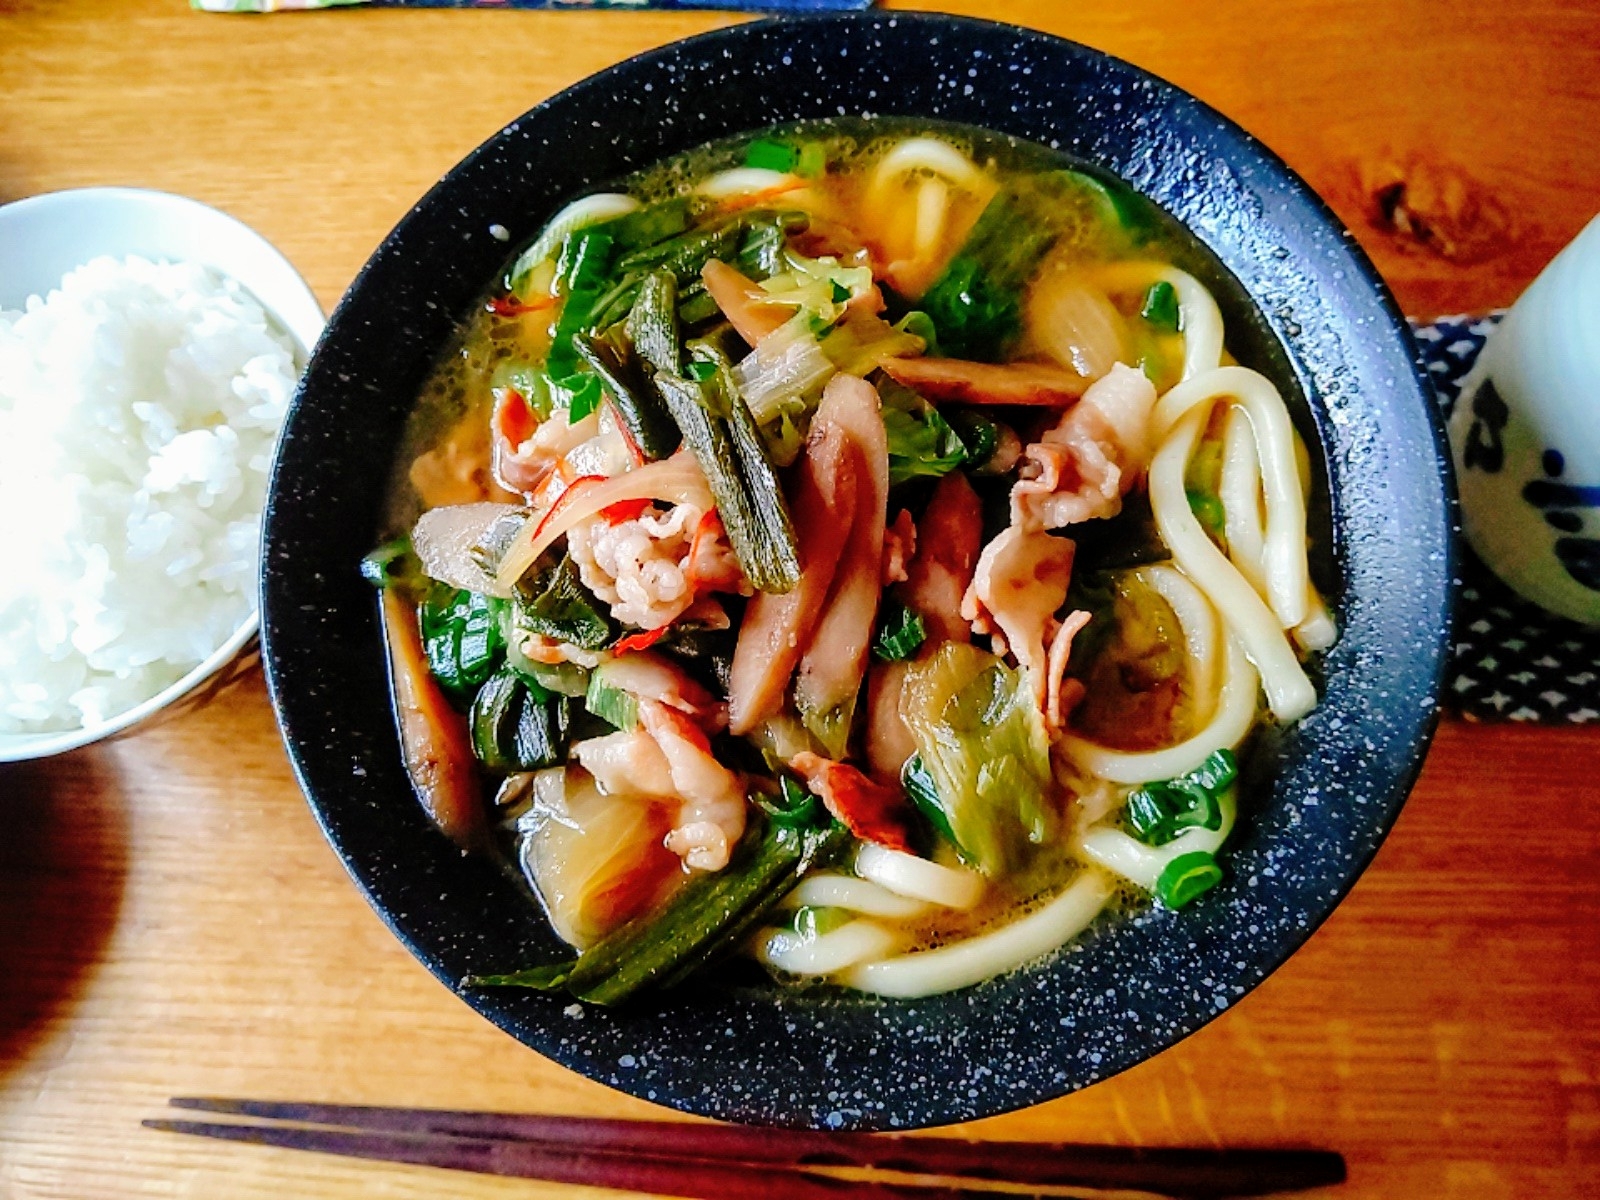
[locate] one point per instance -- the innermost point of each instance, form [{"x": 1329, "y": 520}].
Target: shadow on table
[{"x": 63, "y": 860}]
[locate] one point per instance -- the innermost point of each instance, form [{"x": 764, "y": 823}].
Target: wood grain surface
[{"x": 172, "y": 922}]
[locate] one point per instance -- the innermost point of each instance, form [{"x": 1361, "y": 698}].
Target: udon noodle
[{"x": 856, "y": 547}]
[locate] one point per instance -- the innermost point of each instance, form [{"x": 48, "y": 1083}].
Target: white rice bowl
[{"x": 139, "y": 403}]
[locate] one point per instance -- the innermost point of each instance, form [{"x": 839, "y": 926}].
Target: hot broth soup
[{"x": 854, "y": 546}]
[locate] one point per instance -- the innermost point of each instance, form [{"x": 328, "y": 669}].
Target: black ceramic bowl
[{"x": 1324, "y": 796}]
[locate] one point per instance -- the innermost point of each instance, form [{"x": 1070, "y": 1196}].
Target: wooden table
[{"x": 172, "y": 922}]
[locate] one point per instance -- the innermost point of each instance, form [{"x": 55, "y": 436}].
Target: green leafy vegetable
[
  {"x": 763, "y": 250},
  {"x": 709, "y": 916},
  {"x": 686, "y": 254},
  {"x": 1159, "y": 812},
  {"x": 976, "y": 304},
  {"x": 555, "y": 604},
  {"x": 900, "y": 632},
  {"x": 1187, "y": 876},
  {"x": 462, "y": 638},
  {"x": 518, "y": 726},
  {"x": 982, "y": 743},
  {"x": 581, "y": 274},
  {"x": 696, "y": 306},
  {"x": 782, "y": 381},
  {"x": 921, "y": 441},
  {"x": 581, "y": 395},
  {"x": 923, "y": 793},
  {"x": 528, "y": 381},
  {"x": 1160, "y": 305},
  {"x": 650, "y": 225},
  {"x": 496, "y": 539},
  {"x": 1118, "y": 217},
  {"x": 394, "y": 565}
]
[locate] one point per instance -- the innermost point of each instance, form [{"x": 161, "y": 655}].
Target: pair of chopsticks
[{"x": 724, "y": 1162}]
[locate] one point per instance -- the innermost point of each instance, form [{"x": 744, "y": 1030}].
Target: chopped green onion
[
  {"x": 920, "y": 325},
  {"x": 1217, "y": 773},
  {"x": 1186, "y": 877},
  {"x": 1160, "y": 306},
  {"x": 980, "y": 435},
  {"x": 900, "y": 632},
  {"x": 394, "y": 565},
  {"x": 793, "y": 806},
  {"x": 1158, "y": 812},
  {"x": 812, "y": 921},
  {"x": 765, "y": 154},
  {"x": 609, "y": 702}
]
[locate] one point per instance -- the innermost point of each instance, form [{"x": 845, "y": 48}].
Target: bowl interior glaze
[{"x": 1325, "y": 793}]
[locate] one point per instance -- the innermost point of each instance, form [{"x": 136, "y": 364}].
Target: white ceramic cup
[
  {"x": 44, "y": 237},
  {"x": 1525, "y": 435}
]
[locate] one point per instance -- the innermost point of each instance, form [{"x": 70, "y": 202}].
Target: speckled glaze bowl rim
[{"x": 962, "y": 1038}]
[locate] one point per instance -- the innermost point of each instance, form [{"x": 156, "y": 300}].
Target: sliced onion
[
  {"x": 1077, "y": 325},
  {"x": 649, "y": 676},
  {"x": 677, "y": 479},
  {"x": 444, "y": 537}
]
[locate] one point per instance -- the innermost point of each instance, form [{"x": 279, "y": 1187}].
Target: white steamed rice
[{"x": 138, "y": 407}]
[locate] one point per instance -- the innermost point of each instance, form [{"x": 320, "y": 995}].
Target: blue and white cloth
[{"x": 1511, "y": 661}]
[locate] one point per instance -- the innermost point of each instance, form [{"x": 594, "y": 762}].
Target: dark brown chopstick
[
  {"x": 732, "y": 1161},
  {"x": 695, "y": 1179}
]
